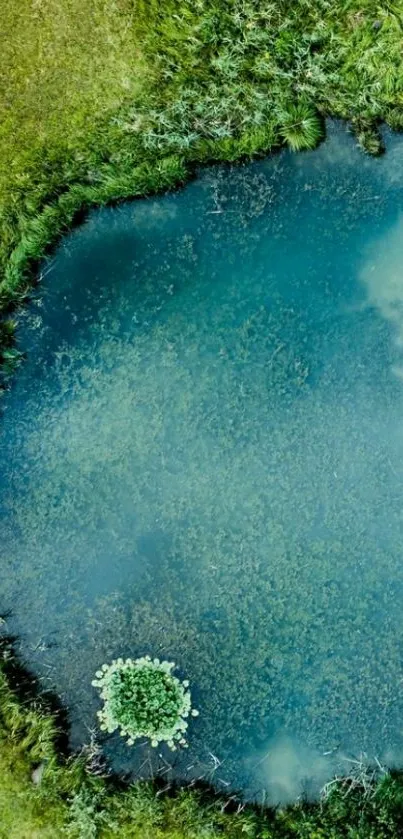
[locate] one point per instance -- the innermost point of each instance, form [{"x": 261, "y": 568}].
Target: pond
[{"x": 202, "y": 459}]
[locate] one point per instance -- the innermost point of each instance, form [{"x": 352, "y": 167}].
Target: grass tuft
[
  {"x": 300, "y": 126},
  {"x": 368, "y": 137}
]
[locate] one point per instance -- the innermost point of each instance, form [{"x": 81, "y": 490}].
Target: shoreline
[{"x": 75, "y": 795}]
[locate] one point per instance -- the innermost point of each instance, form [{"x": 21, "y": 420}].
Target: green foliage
[
  {"x": 368, "y": 137},
  {"x": 300, "y": 126},
  {"x": 144, "y": 699}
]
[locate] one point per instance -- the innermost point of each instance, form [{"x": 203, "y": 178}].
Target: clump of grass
[
  {"x": 368, "y": 137},
  {"x": 300, "y": 126}
]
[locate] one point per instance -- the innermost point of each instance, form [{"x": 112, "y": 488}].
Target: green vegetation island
[{"x": 105, "y": 101}]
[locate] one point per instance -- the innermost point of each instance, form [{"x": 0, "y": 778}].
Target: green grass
[{"x": 76, "y": 800}]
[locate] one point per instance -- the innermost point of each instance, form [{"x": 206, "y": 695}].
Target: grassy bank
[
  {"x": 102, "y": 101},
  {"x": 43, "y": 794}
]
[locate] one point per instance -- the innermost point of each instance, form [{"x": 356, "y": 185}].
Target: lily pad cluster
[{"x": 143, "y": 699}]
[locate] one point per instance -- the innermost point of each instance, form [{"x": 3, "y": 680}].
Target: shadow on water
[{"x": 202, "y": 459}]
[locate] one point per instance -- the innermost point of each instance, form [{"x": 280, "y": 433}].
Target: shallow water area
[{"x": 202, "y": 459}]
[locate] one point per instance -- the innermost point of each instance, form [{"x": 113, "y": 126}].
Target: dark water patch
[{"x": 203, "y": 459}]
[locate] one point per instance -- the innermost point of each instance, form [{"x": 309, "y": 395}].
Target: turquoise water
[{"x": 202, "y": 458}]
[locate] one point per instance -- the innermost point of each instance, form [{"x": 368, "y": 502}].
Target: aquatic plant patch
[{"x": 143, "y": 699}]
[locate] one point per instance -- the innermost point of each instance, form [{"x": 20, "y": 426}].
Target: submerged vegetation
[
  {"x": 47, "y": 796},
  {"x": 9, "y": 354},
  {"x": 144, "y": 699}
]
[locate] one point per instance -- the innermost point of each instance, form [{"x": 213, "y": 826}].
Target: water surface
[{"x": 202, "y": 459}]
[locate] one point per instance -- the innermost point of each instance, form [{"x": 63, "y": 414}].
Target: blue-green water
[{"x": 202, "y": 458}]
